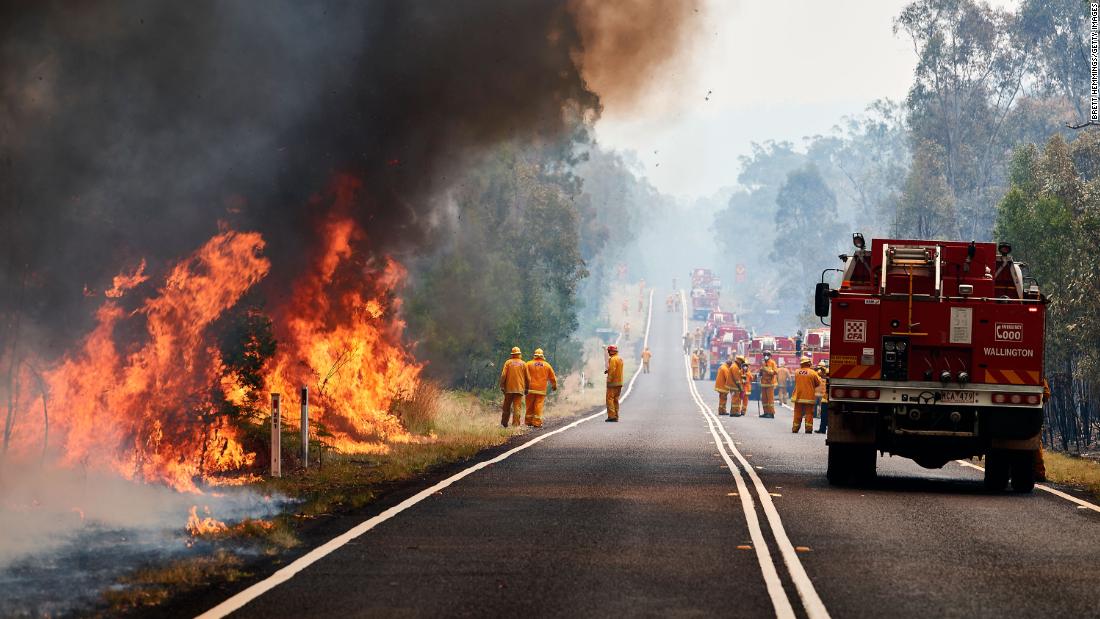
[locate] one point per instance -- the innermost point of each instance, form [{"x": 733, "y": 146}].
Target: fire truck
[
  {"x": 705, "y": 289},
  {"x": 937, "y": 354},
  {"x": 729, "y": 339},
  {"x": 816, "y": 346}
]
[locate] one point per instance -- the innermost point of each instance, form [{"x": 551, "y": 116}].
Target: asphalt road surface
[{"x": 660, "y": 515}]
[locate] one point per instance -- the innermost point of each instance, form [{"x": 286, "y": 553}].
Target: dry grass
[
  {"x": 419, "y": 409},
  {"x": 153, "y": 585},
  {"x": 1073, "y": 471}
]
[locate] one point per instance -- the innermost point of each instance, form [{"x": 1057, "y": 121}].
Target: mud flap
[{"x": 849, "y": 427}]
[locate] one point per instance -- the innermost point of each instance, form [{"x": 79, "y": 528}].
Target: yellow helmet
[
  {"x": 740, "y": 358},
  {"x": 516, "y": 350},
  {"x": 806, "y": 361},
  {"x": 538, "y": 353}
]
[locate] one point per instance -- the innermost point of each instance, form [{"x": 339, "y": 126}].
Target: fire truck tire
[
  {"x": 866, "y": 464},
  {"x": 839, "y": 472},
  {"x": 1023, "y": 471},
  {"x": 998, "y": 467}
]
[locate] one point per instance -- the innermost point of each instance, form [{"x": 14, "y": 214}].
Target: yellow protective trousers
[
  {"x": 742, "y": 402},
  {"x": 613, "y": 394},
  {"x": 803, "y": 411},
  {"x": 512, "y": 404},
  {"x": 722, "y": 397},
  {"x": 533, "y": 405},
  {"x": 767, "y": 399}
]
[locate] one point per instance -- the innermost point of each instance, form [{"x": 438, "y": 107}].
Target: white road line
[
  {"x": 1058, "y": 493},
  {"x": 774, "y": 584},
  {"x": 811, "y": 602},
  {"x": 256, "y": 590}
]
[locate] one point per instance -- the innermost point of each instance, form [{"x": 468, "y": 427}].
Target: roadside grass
[
  {"x": 152, "y": 586},
  {"x": 1073, "y": 470}
]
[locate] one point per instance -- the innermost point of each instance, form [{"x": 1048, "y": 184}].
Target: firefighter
[
  {"x": 626, "y": 331},
  {"x": 737, "y": 386},
  {"x": 540, "y": 376},
  {"x": 695, "y": 365},
  {"x": 722, "y": 385},
  {"x": 819, "y": 392},
  {"x": 614, "y": 373},
  {"x": 698, "y": 337},
  {"x": 687, "y": 343},
  {"x": 782, "y": 378},
  {"x": 626, "y": 307},
  {"x": 646, "y": 356},
  {"x": 805, "y": 384},
  {"x": 746, "y": 386},
  {"x": 514, "y": 383},
  {"x": 823, "y": 398},
  {"x": 768, "y": 372},
  {"x": 641, "y": 303}
]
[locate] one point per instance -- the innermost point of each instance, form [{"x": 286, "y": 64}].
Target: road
[{"x": 659, "y": 515}]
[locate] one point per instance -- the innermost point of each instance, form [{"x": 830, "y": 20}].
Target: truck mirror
[{"x": 821, "y": 300}]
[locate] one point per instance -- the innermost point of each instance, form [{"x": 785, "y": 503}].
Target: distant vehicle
[
  {"x": 729, "y": 339},
  {"x": 937, "y": 354},
  {"x": 703, "y": 303},
  {"x": 816, "y": 345}
]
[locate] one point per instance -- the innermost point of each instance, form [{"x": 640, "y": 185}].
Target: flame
[
  {"x": 143, "y": 394},
  {"x": 121, "y": 283},
  {"x": 146, "y": 412},
  {"x": 204, "y": 526},
  {"x": 340, "y": 336}
]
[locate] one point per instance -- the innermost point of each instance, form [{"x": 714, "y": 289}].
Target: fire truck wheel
[
  {"x": 1023, "y": 471},
  {"x": 865, "y": 464},
  {"x": 840, "y": 465},
  {"x": 997, "y": 469}
]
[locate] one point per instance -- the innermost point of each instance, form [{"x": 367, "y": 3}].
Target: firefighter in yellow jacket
[
  {"x": 540, "y": 376},
  {"x": 614, "y": 373},
  {"x": 746, "y": 386},
  {"x": 722, "y": 385},
  {"x": 806, "y": 382},
  {"x": 736, "y": 385},
  {"x": 646, "y": 356},
  {"x": 695, "y": 365},
  {"x": 514, "y": 383},
  {"x": 768, "y": 373}
]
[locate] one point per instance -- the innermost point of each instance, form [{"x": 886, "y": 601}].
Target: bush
[{"x": 418, "y": 410}]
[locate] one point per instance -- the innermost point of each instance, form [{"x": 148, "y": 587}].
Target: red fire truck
[
  {"x": 816, "y": 346},
  {"x": 705, "y": 289},
  {"x": 728, "y": 339},
  {"x": 937, "y": 354}
]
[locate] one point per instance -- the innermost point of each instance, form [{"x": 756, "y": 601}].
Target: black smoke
[{"x": 131, "y": 129}]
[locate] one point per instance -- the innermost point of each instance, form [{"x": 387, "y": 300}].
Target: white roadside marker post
[
  {"x": 276, "y": 437},
  {"x": 305, "y": 427}
]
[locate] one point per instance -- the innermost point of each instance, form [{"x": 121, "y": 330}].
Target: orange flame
[
  {"x": 339, "y": 335},
  {"x": 150, "y": 410},
  {"x": 146, "y": 413},
  {"x": 203, "y": 526}
]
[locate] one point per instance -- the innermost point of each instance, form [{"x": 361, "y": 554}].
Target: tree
[
  {"x": 807, "y": 234},
  {"x": 926, "y": 209}
]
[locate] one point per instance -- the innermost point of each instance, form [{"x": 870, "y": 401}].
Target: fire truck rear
[{"x": 936, "y": 354}]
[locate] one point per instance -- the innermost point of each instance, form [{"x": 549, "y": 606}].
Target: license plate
[{"x": 958, "y": 397}]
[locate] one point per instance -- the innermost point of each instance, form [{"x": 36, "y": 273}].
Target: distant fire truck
[
  {"x": 937, "y": 354},
  {"x": 705, "y": 290},
  {"x": 728, "y": 339},
  {"x": 816, "y": 346}
]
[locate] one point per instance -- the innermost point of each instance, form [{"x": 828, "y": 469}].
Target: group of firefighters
[
  {"x": 525, "y": 383},
  {"x": 734, "y": 379}
]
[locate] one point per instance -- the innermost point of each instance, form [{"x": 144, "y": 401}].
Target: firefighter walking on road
[
  {"x": 806, "y": 382},
  {"x": 823, "y": 399},
  {"x": 646, "y": 356},
  {"x": 614, "y": 373},
  {"x": 722, "y": 386},
  {"x": 695, "y": 360},
  {"x": 514, "y": 383},
  {"x": 768, "y": 373},
  {"x": 540, "y": 376}
]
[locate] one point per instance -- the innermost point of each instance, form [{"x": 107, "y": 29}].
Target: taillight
[
  {"x": 840, "y": 393},
  {"x": 1017, "y": 399}
]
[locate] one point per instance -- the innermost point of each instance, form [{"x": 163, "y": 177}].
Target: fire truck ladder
[{"x": 909, "y": 258}]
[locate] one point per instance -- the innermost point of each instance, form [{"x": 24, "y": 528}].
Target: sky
[{"x": 755, "y": 70}]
